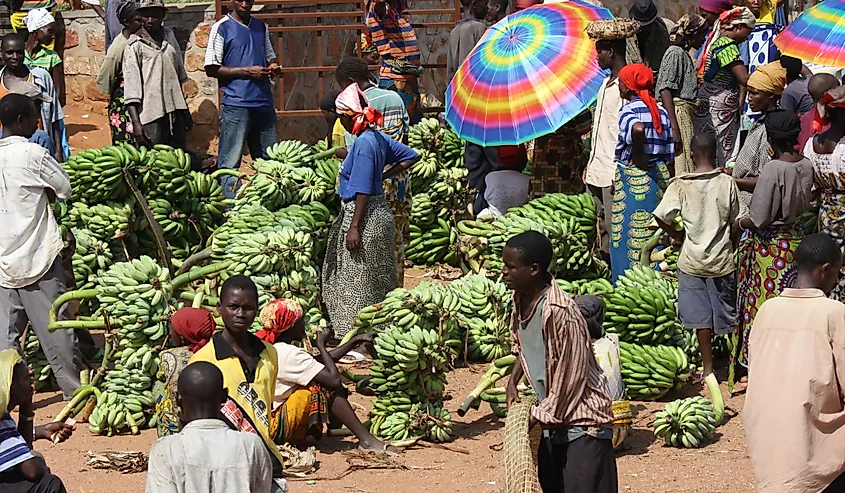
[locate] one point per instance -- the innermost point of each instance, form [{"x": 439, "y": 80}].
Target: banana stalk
[
  {"x": 80, "y": 295},
  {"x": 196, "y": 274},
  {"x": 499, "y": 369},
  {"x": 158, "y": 234},
  {"x": 193, "y": 260},
  {"x": 79, "y": 397}
]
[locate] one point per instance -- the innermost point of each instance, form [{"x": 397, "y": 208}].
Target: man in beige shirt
[
  {"x": 794, "y": 414},
  {"x": 601, "y": 167}
]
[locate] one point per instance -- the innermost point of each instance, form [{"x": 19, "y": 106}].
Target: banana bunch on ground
[
  {"x": 450, "y": 190},
  {"x": 433, "y": 244},
  {"x": 167, "y": 177},
  {"x": 203, "y": 188},
  {"x": 115, "y": 413},
  {"x": 423, "y": 172},
  {"x": 452, "y": 149},
  {"x": 431, "y": 422},
  {"x": 173, "y": 222},
  {"x": 134, "y": 295},
  {"x": 485, "y": 315},
  {"x": 649, "y": 372},
  {"x": 106, "y": 221},
  {"x": 309, "y": 186},
  {"x": 327, "y": 170},
  {"x": 395, "y": 426},
  {"x": 687, "y": 423},
  {"x": 37, "y": 361},
  {"x": 643, "y": 308},
  {"x": 596, "y": 287},
  {"x": 303, "y": 285},
  {"x": 315, "y": 320},
  {"x": 132, "y": 380},
  {"x": 268, "y": 250},
  {"x": 557, "y": 207},
  {"x": 91, "y": 256},
  {"x": 425, "y": 135},
  {"x": 292, "y": 152},
  {"x": 484, "y": 249},
  {"x": 424, "y": 211},
  {"x": 96, "y": 175},
  {"x": 271, "y": 185}
]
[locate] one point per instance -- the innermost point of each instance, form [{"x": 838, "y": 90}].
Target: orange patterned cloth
[{"x": 276, "y": 317}]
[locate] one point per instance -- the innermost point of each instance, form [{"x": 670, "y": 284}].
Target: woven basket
[
  {"x": 558, "y": 163},
  {"x": 612, "y": 29}
]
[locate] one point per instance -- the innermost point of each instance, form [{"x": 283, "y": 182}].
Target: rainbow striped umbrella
[
  {"x": 530, "y": 73},
  {"x": 817, "y": 35}
]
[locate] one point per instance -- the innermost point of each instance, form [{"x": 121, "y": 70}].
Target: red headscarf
[
  {"x": 277, "y": 317},
  {"x": 835, "y": 98},
  {"x": 640, "y": 79},
  {"x": 194, "y": 325}
]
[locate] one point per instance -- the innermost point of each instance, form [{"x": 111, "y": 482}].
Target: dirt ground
[{"x": 472, "y": 463}]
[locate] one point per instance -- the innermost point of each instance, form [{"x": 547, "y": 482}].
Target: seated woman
[
  {"x": 308, "y": 389},
  {"x": 190, "y": 330},
  {"x": 21, "y": 469},
  {"x": 249, "y": 365}
]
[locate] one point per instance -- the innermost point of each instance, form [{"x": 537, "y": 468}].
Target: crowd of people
[{"x": 700, "y": 121}]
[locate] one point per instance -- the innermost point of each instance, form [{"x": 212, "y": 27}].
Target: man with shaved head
[
  {"x": 817, "y": 86},
  {"x": 207, "y": 455}
]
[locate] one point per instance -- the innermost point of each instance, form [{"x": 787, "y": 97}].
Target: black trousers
[
  {"x": 14, "y": 482},
  {"x": 480, "y": 161},
  {"x": 585, "y": 465}
]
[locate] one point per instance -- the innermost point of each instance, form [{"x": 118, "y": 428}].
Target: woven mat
[{"x": 520, "y": 465}]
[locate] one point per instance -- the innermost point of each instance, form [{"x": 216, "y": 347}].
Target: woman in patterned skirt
[
  {"x": 783, "y": 192},
  {"x": 190, "y": 329},
  {"x": 643, "y": 151},
  {"x": 110, "y": 78},
  {"x": 827, "y": 152},
  {"x": 360, "y": 264}
]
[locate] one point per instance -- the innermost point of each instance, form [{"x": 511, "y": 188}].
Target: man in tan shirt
[{"x": 794, "y": 414}]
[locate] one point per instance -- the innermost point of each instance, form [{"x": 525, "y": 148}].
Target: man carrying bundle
[{"x": 554, "y": 349}]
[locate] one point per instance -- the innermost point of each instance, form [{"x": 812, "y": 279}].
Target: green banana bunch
[
  {"x": 643, "y": 308},
  {"x": 425, "y": 135},
  {"x": 106, "y": 221},
  {"x": 433, "y": 245},
  {"x": 649, "y": 372},
  {"x": 485, "y": 313},
  {"x": 452, "y": 149},
  {"x": 411, "y": 357},
  {"x": 327, "y": 171},
  {"x": 91, "y": 256},
  {"x": 267, "y": 250},
  {"x": 393, "y": 427},
  {"x": 292, "y": 152},
  {"x": 437, "y": 423},
  {"x": 37, "y": 361},
  {"x": 687, "y": 423},
  {"x": 60, "y": 212},
  {"x": 271, "y": 185},
  {"x": 424, "y": 211},
  {"x": 167, "y": 177},
  {"x": 173, "y": 222},
  {"x": 207, "y": 191},
  {"x": 450, "y": 189},
  {"x": 301, "y": 285},
  {"x": 309, "y": 186},
  {"x": 424, "y": 171},
  {"x": 115, "y": 413},
  {"x": 96, "y": 175},
  {"x": 596, "y": 287}
]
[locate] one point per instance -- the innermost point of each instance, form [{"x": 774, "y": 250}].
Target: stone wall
[{"x": 85, "y": 49}]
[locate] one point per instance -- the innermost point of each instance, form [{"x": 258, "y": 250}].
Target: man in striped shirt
[
  {"x": 21, "y": 471},
  {"x": 555, "y": 351}
]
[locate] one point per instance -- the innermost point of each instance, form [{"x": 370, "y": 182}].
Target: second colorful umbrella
[
  {"x": 529, "y": 74},
  {"x": 817, "y": 35}
]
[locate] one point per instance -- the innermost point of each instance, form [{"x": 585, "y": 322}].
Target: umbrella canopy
[
  {"x": 528, "y": 75},
  {"x": 817, "y": 35}
]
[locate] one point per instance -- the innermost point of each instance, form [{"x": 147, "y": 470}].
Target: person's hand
[
  {"x": 584, "y": 176},
  {"x": 140, "y": 134},
  {"x": 275, "y": 69},
  {"x": 257, "y": 72},
  {"x": 58, "y": 155},
  {"x": 512, "y": 393},
  {"x": 727, "y": 171},
  {"x": 70, "y": 245},
  {"x": 367, "y": 338},
  {"x": 45, "y": 432},
  {"x": 353, "y": 238},
  {"x": 323, "y": 337},
  {"x": 679, "y": 144}
]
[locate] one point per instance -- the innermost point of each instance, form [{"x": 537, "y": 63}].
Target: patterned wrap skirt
[
  {"x": 355, "y": 279},
  {"x": 832, "y": 222},
  {"x": 305, "y": 412}
]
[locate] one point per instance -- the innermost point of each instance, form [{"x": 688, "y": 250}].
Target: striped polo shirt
[
  {"x": 13, "y": 448},
  {"x": 393, "y": 36}
]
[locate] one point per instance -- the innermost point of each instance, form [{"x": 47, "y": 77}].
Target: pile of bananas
[
  {"x": 310, "y": 187},
  {"x": 106, "y": 221},
  {"x": 165, "y": 175},
  {"x": 268, "y": 251},
  {"x": 432, "y": 243},
  {"x": 643, "y": 308},
  {"x": 292, "y": 152},
  {"x": 270, "y": 184},
  {"x": 91, "y": 256},
  {"x": 301, "y": 285},
  {"x": 96, "y": 175},
  {"x": 649, "y": 372},
  {"x": 35, "y": 358},
  {"x": 206, "y": 190},
  {"x": 423, "y": 172},
  {"x": 687, "y": 423},
  {"x": 114, "y": 413},
  {"x": 485, "y": 314},
  {"x": 581, "y": 287},
  {"x": 425, "y": 135},
  {"x": 452, "y": 149}
]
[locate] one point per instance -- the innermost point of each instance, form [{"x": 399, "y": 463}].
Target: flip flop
[{"x": 352, "y": 357}]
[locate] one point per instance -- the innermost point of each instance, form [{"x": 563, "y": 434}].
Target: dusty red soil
[{"x": 473, "y": 462}]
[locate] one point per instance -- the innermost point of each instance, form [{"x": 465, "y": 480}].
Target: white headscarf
[{"x": 37, "y": 18}]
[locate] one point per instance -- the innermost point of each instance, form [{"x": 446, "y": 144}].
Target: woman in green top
[
  {"x": 42, "y": 31},
  {"x": 724, "y": 75},
  {"x": 110, "y": 78}
]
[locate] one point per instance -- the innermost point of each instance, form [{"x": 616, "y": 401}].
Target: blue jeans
[{"x": 256, "y": 126}]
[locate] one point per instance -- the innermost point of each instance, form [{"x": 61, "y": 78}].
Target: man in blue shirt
[{"x": 241, "y": 56}]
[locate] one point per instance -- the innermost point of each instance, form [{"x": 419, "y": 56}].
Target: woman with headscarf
[
  {"x": 765, "y": 86},
  {"x": 360, "y": 264},
  {"x": 309, "y": 390},
  {"x": 710, "y": 10},
  {"x": 723, "y": 76},
  {"x": 41, "y": 26},
  {"x": 21, "y": 470},
  {"x": 771, "y": 233},
  {"x": 110, "y": 78},
  {"x": 644, "y": 150},
  {"x": 190, "y": 330},
  {"x": 677, "y": 84},
  {"x": 759, "y": 49},
  {"x": 826, "y": 150}
]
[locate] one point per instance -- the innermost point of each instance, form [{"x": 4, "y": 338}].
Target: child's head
[
  {"x": 238, "y": 304},
  {"x": 327, "y": 105},
  {"x": 18, "y": 115},
  {"x": 703, "y": 150},
  {"x": 526, "y": 257},
  {"x": 608, "y": 51},
  {"x": 12, "y": 48},
  {"x": 819, "y": 261},
  {"x": 477, "y": 7},
  {"x": 782, "y": 130},
  {"x": 592, "y": 309},
  {"x": 819, "y": 84}
]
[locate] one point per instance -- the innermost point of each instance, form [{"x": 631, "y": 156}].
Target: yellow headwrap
[
  {"x": 8, "y": 359},
  {"x": 769, "y": 78}
]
